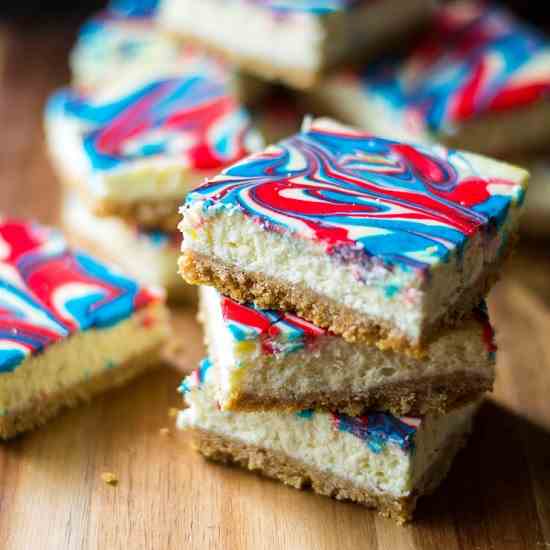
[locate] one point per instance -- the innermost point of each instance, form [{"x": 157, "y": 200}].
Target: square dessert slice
[
  {"x": 378, "y": 460},
  {"x": 267, "y": 359},
  {"x": 70, "y": 327},
  {"x": 293, "y": 42},
  {"x": 379, "y": 241},
  {"x": 149, "y": 255},
  {"x": 134, "y": 152},
  {"x": 479, "y": 80},
  {"x": 124, "y": 44}
]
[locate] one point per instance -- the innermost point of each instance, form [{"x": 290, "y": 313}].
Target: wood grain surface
[{"x": 51, "y": 492}]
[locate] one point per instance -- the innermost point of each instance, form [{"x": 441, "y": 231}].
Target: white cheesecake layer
[
  {"x": 150, "y": 257},
  {"x": 329, "y": 364},
  {"x": 82, "y": 356},
  {"x": 235, "y": 240},
  {"x": 292, "y": 41},
  {"x": 316, "y": 443}
]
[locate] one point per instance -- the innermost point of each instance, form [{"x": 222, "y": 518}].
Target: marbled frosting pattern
[
  {"x": 476, "y": 60},
  {"x": 191, "y": 118},
  {"x": 276, "y": 332},
  {"x": 364, "y": 197},
  {"x": 378, "y": 429},
  {"x": 48, "y": 291}
]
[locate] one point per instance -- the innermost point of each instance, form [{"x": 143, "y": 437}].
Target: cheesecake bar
[
  {"x": 293, "y": 42},
  {"x": 134, "y": 152},
  {"x": 112, "y": 47},
  {"x": 70, "y": 327},
  {"x": 273, "y": 360},
  {"x": 149, "y": 255},
  {"x": 379, "y": 241},
  {"x": 378, "y": 460},
  {"x": 478, "y": 80}
]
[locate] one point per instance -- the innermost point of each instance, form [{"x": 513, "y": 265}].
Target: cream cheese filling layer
[
  {"x": 314, "y": 442},
  {"x": 330, "y": 364},
  {"x": 81, "y": 356},
  {"x": 236, "y": 240},
  {"x": 245, "y": 30}
]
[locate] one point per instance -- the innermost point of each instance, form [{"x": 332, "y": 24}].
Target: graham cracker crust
[
  {"x": 292, "y": 472},
  {"x": 149, "y": 214},
  {"x": 39, "y": 410},
  {"x": 436, "y": 394},
  {"x": 270, "y": 293}
]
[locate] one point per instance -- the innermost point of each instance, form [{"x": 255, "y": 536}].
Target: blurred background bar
[{"x": 537, "y": 12}]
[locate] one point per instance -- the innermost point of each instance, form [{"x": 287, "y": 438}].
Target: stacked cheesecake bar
[
  {"x": 349, "y": 345},
  {"x": 145, "y": 121}
]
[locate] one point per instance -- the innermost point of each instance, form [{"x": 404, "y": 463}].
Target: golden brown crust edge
[
  {"x": 291, "y": 472},
  {"x": 40, "y": 410},
  {"x": 269, "y": 293},
  {"x": 435, "y": 395}
]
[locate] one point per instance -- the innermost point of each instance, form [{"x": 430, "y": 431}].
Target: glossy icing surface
[
  {"x": 476, "y": 60},
  {"x": 364, "y": 198},
  {"x": 379, "y": 429},
  {"x": 48, "y": 291},
  {"x": 190, "y": 118},
  {"x": 277, "y": 332},
  {"x": 375, "y": 429}
]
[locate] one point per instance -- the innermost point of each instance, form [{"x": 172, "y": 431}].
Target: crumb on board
[
  {"x": 109, "y": 478},
  {"x": 164, "y": 431},
  {"x": 173, "y": 412}
]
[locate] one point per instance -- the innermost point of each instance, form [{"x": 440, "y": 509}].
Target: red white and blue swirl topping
[
  {"x": 378, "y": 429},
  {"x": 364, "y": 197},
  {"x": 476, "y": 60},
  {"x": 190, "y": 119},
  {"x": 48, "y": 291},
  {"x": 276, "y": 332}
]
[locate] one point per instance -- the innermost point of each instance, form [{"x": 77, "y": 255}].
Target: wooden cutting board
[{"x": 51, "y": 493}]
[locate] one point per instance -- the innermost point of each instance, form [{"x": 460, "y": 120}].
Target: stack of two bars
[{"x": 373, "y": 257}]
